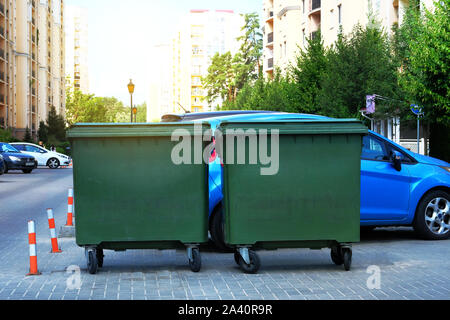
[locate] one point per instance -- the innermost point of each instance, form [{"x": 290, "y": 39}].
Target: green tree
[
  {"x": 56, "y": 125},
  {"x": 358, "y": 65},
  {"x": 228, "y": 74},
  {"x": 28, "y": 137},
  {"x": 84, "y": 108},
  {"x": 220, "y": 80},
  {"x": 247, "y": 62},
  {"x": 43, "y": 132},
  {"x": 423, "y": 48},
  {"x": 308, "y": 73}
]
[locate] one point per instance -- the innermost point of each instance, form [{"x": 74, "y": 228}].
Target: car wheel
[
  {"x": 28, "y": 171},
  {"x": 6, "y": 169},
  {"x": 217, "y": 232},
  {"x": 432, "y": 220},
  {"x": 53, "y": 163}
]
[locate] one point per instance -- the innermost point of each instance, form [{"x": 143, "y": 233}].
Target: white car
[{"x": 44, "y": 157}]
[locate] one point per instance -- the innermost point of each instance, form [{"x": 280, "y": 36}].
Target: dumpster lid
[
  {"x": 110, "y": 130},
  {"x": 322, "y": 126}
]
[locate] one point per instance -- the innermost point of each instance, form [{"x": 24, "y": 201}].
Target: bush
[{"x": 6, "y": 136}]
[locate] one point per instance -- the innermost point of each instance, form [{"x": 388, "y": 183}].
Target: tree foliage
[
  {"x": 87, "y": 108},
  {"x": 228, "y": 74},
  {"x": 423, "y": 47}
]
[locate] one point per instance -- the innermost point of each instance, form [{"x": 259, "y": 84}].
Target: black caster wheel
[
  {"x": 92, "y": 263},
  {"x": 254, "y": 265},
  {"x": 196, "y": 263},
  {"x": 237, "y": 257},
  {"x": 347, "y": 256},
  {"x": 336, "y": 256},
  {"x": 100, "y": 257}
]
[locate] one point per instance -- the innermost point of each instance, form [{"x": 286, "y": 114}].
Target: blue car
[{"x": 398, "y": 187}]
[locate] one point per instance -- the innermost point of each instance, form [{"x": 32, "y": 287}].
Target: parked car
[
  {"x": 45, "y": 158},
  {"x": 2, "y": 165},
  {"x": 398, "y": 187},
  {"x": 15, "y": 160}
]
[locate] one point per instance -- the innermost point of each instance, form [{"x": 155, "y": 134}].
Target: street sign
[{"x": 417, "y": 110}]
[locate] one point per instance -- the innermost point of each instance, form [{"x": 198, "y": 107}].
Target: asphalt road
[
  {"x": 27, "y": 196},
  {"x": 405, "y": 267}
]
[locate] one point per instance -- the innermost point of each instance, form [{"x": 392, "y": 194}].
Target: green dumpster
[
  {"x": 130, "y": 194},
  {"x": 310, "y": 199}
]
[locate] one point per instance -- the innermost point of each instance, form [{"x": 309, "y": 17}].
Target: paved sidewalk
[{"x": 410, "y": 269}]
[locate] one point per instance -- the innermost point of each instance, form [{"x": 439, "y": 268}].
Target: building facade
[
  {"x": 200, "y": 35},
  {"x": 76, "y": 27},
  {"x": 31, "y": 63},
  {"x": 288, "y": 24}
]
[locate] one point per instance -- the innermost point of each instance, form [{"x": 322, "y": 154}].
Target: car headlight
[
  {"x": 12, "y": 158},
  {"x": 446, "y": 169}
]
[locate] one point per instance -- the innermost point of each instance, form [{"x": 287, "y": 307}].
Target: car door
[
  {"x": 37, "y": 154},
  {"x": 385, "y": 192}
]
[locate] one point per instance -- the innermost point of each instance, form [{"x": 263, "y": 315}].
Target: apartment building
[
  {"x": 26, "y": 49},
  {"x": 76, "y": 27},
  {"x": 200, "y": 35},
  {"x": 288, "y": 24}
]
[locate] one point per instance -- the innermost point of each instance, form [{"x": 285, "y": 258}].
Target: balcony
[
  {"x": 2, "y": 53},
  {"x": 2, "y": 32},
  {"x": 2, "y": 9}
]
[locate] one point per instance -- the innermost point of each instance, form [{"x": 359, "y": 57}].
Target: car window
[
  {"x": 32, "y": 149},
  {"x": 19, "y": 147},
  {"x": 7, "y": 148},
  {"x": 374, "y": 149}
]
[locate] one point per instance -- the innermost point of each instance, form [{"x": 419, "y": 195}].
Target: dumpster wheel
[
  {"x": 347, "y": 256},
  {"x": 92, "y": 263},
  {"x": 196, "y": 262},
  {"x": 237, "y": 257},
  {"x": 254, "y": 265},
  {"x": 336, "y": 256}
]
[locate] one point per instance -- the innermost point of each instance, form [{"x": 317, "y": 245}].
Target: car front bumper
[{"x": 21, "y": 165}]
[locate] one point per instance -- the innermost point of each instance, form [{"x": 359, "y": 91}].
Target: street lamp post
[{"x": 131, "y": 91}]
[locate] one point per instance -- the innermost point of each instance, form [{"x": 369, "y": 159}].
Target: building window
[
  {"x": 304, "y": 37},
  {"x": 303, "y": 5}
]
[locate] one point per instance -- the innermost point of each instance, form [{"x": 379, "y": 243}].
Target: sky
[{"x": 123, "y": 32}]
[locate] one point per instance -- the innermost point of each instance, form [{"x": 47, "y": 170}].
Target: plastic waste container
[
  {"x": 131, "y": 195},
  {"x": 309, "y": 199}
]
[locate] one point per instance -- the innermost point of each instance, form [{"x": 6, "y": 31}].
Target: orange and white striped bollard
[
  {"x": 33, "y": 252},
  {"x": 70, "y": 209},
  {"x": 52, "y": 226}
]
